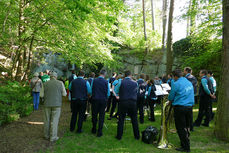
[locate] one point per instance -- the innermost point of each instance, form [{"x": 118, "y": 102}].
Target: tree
[
  {"x": 169, "y": 53},
  {"x": 222, "y": 119},
  {"x": 152, "y": 12},
  {"x": 164, "y": 21}
]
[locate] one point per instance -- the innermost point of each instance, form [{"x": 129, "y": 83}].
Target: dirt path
[{"x": 26, "y": 134}]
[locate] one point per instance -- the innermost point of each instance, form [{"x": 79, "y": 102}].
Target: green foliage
[{"x": 15, "y": 102}]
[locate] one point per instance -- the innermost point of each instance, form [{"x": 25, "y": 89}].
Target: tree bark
[
  {"x": 222, "y": 116},
  {"x": 169, "y": 53},
  {"x": 164, "y": 21},
  {"x": 152, "y": 12}
]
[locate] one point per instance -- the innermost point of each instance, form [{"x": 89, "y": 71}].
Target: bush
[{"x": 15, "y": 102}]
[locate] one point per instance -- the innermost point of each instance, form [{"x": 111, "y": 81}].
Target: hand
[
  {"x": 117, "y": 97},
  {"x": 213, "y": 96}
]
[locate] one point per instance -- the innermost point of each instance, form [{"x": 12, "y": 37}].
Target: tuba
[{"x": 165, "y": 116}]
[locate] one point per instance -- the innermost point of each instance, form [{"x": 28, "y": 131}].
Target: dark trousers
[
  {"x": 151, "y": 105},
  {"x": 109, "y": 103},
  {"x": 128, "y": 107},
  {"x": 191, "y": 121},
  {"x": 78, "y": 107},
  {"x": 140, "y": 104},
  {"x": 182, "y": 115},
  {"x": 204, "y": 110},
  {"x": 98, "y": 108},
  {"x": 114, "y": 104}
]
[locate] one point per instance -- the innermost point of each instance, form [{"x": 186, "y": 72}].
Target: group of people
[{"x": 128, "y": 96}]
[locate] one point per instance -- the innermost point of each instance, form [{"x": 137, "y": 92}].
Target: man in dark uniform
[
  {"x": 80, "y": 90},
  {"x": 100, "y": 94},
  {"x": 141, "y": 97},
  {"x": 193, "y": 80},
  {"x": 182, "y": 98},
  {"x": 206, "y": 95},
  {"x": 128, "y": 98},
  {"x": 111, "y": 97}
]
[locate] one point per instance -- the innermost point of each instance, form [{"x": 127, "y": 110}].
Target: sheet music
[
  {"x": 166, "y": 86},
  {"x": 160, "y": 91}
]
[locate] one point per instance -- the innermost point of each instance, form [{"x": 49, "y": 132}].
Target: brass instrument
[{"x": 165, "y": 115}]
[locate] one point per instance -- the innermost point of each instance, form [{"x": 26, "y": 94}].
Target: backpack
[
  {"x": 142, "y": 89},
  {"x": 149, "y": 135}
]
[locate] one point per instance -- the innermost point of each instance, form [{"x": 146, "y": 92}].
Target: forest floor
[{"x": 26, "y": 136}]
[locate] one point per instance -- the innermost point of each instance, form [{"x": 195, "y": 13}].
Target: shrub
[{"x": 15, "y": 102}]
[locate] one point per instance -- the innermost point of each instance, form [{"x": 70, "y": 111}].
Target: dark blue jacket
[
  {"x": 79, "y": 89},
  {"x": 100, "y": 89},
  {"x": 128, "y": 90}
]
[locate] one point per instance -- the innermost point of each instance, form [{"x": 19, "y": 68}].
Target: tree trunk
[
  {"x": 169, "y": 53},
  {"x": 193, "y": 16},
  {"x": 144, "y": 26},
  {"x": 164, "y": 21},
  {"x": 152, "y": 12},
  {"x": 188, "y": 19},
  {"x": 222, "y": 116}
]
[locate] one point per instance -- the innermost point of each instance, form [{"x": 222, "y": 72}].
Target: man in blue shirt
[
  {"x": 210, "y": 75},
  {"x": 128, "y": 98},
  {"x": 193, "y": 80},
  {"x": 90, "y": 80},
  {"x": 206, "y": 94},
  {"x": 100, "y": 94},
  {"x": 80, "y": 89},
  {"x": 182, "y": 98},
  {"x": 115, "y": 90},
  {"x": 141, "y": 97}
]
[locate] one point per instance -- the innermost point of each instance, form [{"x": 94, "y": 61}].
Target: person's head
[
  {"x": 103, "y": 73},
  {"x": 203, "y": 73},
  {"x": 81, "y": 73},
  {"x": 142, "y": 76},
  {"x": 170, "y": 76},
  {"x": 41, "y": 73},
  {"x": 177, "y": 74},
  {"x": 147, "y": 78},
  {"x": 47, "y": 72},
  {"x": 118, "y": 77},
  {"x": 36, "y": 74},
  {"x": 151, "y": 82},
  {"x": 73, "y": 72},
  {"x": 114, "y": 74},
  {"x": 53, "y": 75},
  {"x": 127, "y": 73},
  {"x": 210, "y": 73},
  {"x": 92, "y": 75},
  {"x": 187, "y": 70},
  {"x": 156, "y": 78}
]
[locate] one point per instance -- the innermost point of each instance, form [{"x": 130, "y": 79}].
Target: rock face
[{"x": 52, "y": 62}]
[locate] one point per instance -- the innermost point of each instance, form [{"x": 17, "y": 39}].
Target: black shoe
[
  {"x": 137, "y": 138},
  {"x": 93, "y": 131},
  {"x": 141, "y": 122},
  {"x": 182, "y": 150},
  {"x": 99, "y": 134},
  {"x": 109, "y": 118},
  {"x": 152, "y": 120},
  {"x": 206, "y": 125},
  {"x": 117, "y": 137}
]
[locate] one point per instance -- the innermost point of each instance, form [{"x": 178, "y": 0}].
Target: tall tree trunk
[
  {"x": 152, "y": 12},
  {"x": 188, "y": 19},
  {"x": 193, "y": 16},
  {"x": 222, "y": 117},
  {"x": 145, "y": 35},
  {"x": 169, "y": 53},
  {"x": 164, "y": 21}
]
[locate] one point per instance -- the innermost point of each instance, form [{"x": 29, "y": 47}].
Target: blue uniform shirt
[
  {"x": 89, "y": 91},
  {"x": 182, "y": 93},
  {"x": 204, "y": 82},
  {"x": 213, "y": 83},
  {"x": 116, "y": 85}
]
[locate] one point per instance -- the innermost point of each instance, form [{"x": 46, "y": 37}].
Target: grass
[{"x": 202, "y": 139}]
